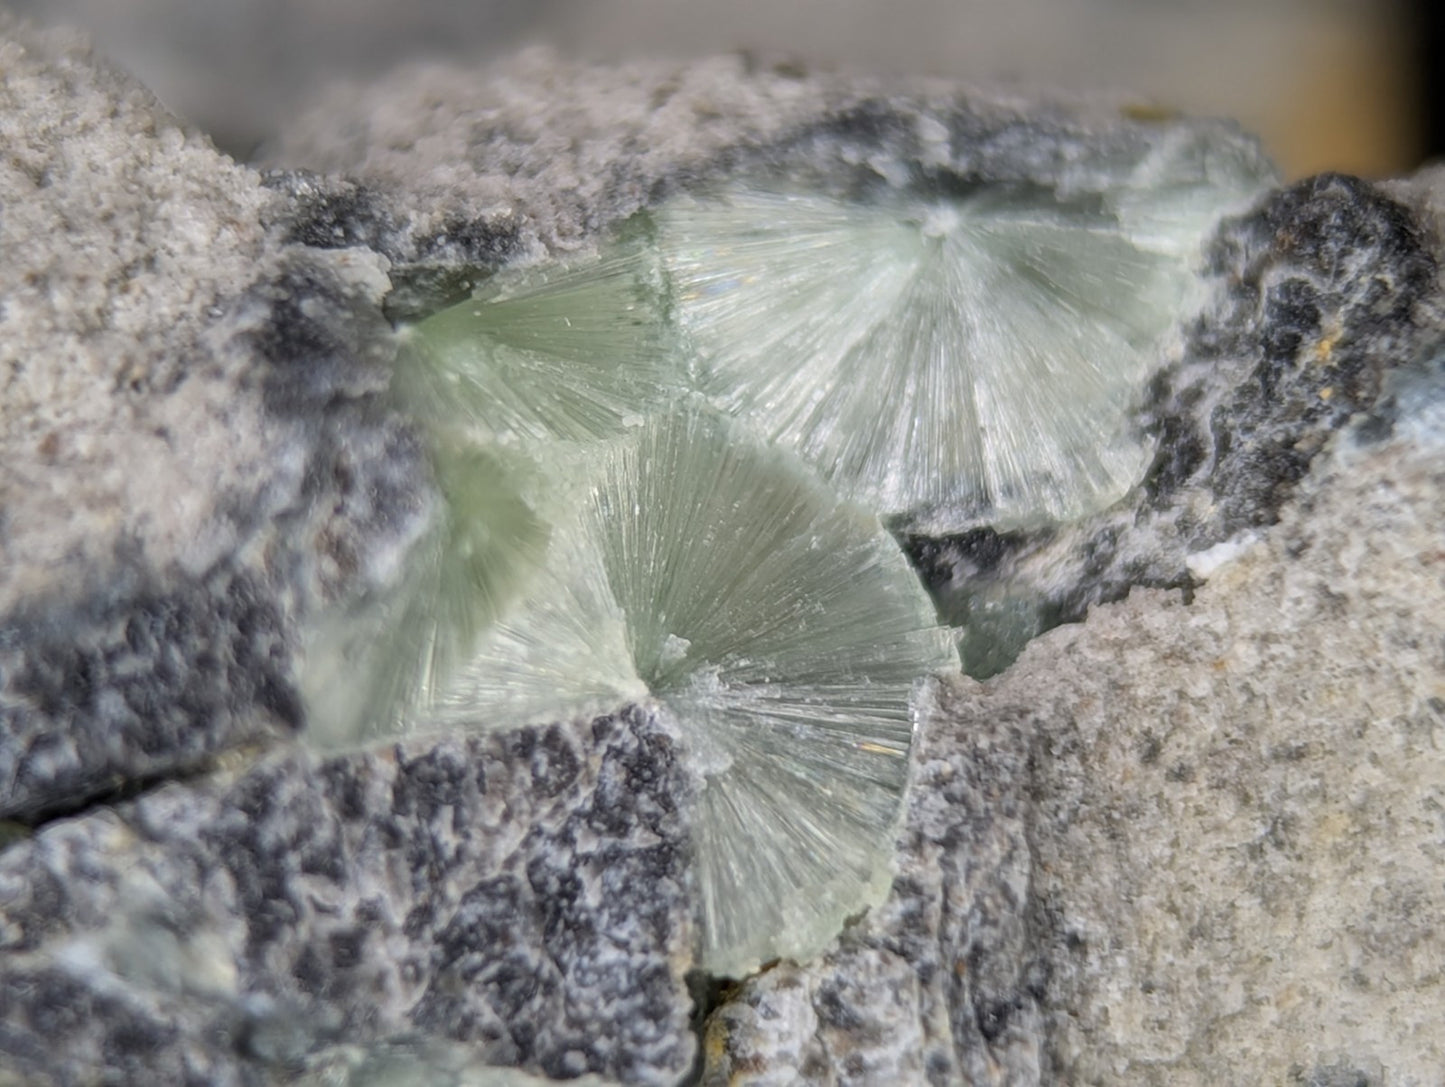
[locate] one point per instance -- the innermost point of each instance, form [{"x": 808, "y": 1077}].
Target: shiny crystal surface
[
  {"x": 663, "y": 470},
  {"x": 574, "y": 352},
  {"x": 369, "y": 663},
  {"x": 782, "y": 631},
  {"x": 785, "y": 633},
  {"x": 953, "y": 361}
]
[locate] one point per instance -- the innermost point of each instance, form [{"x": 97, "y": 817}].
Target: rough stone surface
[
  {"x": 1318, "y": 294},
  {"x": 1237, "y": 863},
  {"x": 1195, "y": 838},
  {"x": 938, "y": 986},
  {"x": 1176, "y": 843},
  {"x": 194, "y": 452},
  {"x": 524, "y": 894},
  {"x": 449, "y": 173}
]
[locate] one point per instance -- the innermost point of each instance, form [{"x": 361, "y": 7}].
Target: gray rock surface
[
  {"x": 447, "y": 173},
  {"x": 523, "y": 893},
  {"x": 1318, "y": 294},
  {"x": 936, "y": 986},
  {"x": 194, "y": 452},
  {"x": 1237, "y": 863},
  {"x": 1176, "y": 843},
  {"x": 1194, "y": 838}
]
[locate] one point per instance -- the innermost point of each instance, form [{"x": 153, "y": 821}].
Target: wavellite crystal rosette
[
  {"x": 719, "y": 581},
  {"x": 618, "y": 542},
  {"x": 947, "y": 360},
  {"x": 663, "y": 471}
]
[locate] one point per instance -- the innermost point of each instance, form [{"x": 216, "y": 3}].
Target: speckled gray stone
[
  {"x": 448, "y": 170},
  {"x": 194, "y": 450},
  {"x": 525, "y": 894},
  {"x": 1177, "y": 843},
  {"x": 1192, "y": 839},
  {"x": 1240, "y": 859},
  {"x": 1318, "y": 295},
  {"x": 938, "y": 986}
]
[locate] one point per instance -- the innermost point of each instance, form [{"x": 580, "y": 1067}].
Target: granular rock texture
[
  {"x": 524, "y": 894},
  {"x": 1195, "y": 838},
  {"x": 450, "y": 174},
  {"x": 194, "y": 452},
  {"x": 1237, "y": 862},
  {"x": 125, "y": 237},
  {"x": 1175, "y": 843},
  {"x": 938, "y": 986},
  {"x": 1319, "y": 294}
]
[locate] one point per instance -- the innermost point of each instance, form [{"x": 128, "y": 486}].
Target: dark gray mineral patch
[
  {"x": 1193, "y": 838},
  {"x": 1319, "y": 294},
  {"x": 525, "y": 894},
  {"x": 196, "y": 453}
]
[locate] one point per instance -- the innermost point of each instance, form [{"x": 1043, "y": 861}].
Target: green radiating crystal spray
[{"x": 663, "y": 471}]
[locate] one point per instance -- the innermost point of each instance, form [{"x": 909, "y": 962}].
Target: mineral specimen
[
  {"x": 942, "y": 354},
  {"x": 955, "y": 360},
  {"x": 572, "y": 352},
  {"x": 780, "y": 628},
  {"x": 1123, "y": 860}
]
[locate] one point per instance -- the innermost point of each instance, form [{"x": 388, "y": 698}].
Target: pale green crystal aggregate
[
  {"x": 780, "y": 629},
  {"x": 371, "y": 663},
  {"x": 573, "y": 353},
  {"x": 954, "y": 362},
  {"x": 610, "y": 537}
]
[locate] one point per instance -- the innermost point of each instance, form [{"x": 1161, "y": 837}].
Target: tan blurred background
[{"x": 1328, "y": 84}]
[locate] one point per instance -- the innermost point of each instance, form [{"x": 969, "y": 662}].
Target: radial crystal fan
[
  {"x": 372, "y": 666},
  {"x": 781, "y": 629},
  {"x": 573, "y": 353},
  {"x": 785, "y": 632},
  {"x": 951, "y": 360}
]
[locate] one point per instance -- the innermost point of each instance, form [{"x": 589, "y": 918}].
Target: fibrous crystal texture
[
  {"x": 954, "y": 360},
  {"x": 662, "y": 472},
  {"x": 782, "y": 630},
  {"x": 574, "y": 352}
]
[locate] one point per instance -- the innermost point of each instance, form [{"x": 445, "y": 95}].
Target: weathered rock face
[
  {"x": 524, "y": 894},
  {"x": 1236, "y": 865},
  {"x": 940, "y": 985},
  {"x": 1193, "y": 838},
  {"x": 1319, "y": 293},
  {"x": 193, "y": 449},
  {"x": 450, "y": 175},
  {"x": 1176, "y": 843}
]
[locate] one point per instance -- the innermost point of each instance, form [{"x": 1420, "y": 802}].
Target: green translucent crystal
[
  {"x": 575, "y": 352},
  {"x": 993, "y": 627},
  {"x": 1173, "y": 197},
  {"x": 662, "y": 472},
  {"x": 571, "y": 352},
  {"x": 780, "y": 629},
  {"x": 953, "y": 361},
  {"x": 370, "y": 663},
  {"x": 785, "y": 633}
]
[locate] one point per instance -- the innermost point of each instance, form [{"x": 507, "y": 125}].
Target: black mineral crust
[
  {"x": 1328, "y": 286},
  {"x": 524, "y": 893}
]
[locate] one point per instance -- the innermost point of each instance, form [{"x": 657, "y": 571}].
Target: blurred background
[{"x": 1352, "y": 85}]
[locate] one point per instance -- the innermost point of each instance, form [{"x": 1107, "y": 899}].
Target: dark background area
[{"x": 1354, "y": 85}]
